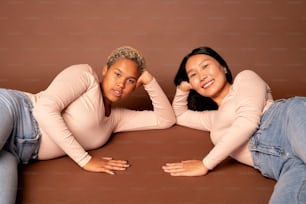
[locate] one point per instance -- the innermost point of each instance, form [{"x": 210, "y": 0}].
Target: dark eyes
[
  {"x": 204, "y": 66},
  {"x": 130, "y": 81},
  {"x": 193, "y": 74}
]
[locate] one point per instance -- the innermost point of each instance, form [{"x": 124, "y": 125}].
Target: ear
[
  {"x": 104, "y": 70},
  {"x": 225, "y": 70}
]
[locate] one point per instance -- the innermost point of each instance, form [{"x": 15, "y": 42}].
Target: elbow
[
  {"x": 167, "y": 123},
  {"x": 170, "y": 123},
  {"x": 180, "y": 122}
]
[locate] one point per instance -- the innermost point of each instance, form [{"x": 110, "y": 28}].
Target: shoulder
[
  {"x": 247, "y": 76},
  {"x": 249, "y": 83},
  {"x": 79, "y": 68},
  {"x": 79, "y": 71},
  {"x": 246, "y": 73}
]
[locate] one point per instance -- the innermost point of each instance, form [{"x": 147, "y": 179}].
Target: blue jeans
[
  {"x": 278, "y": 149},
  {"x": 19, "y": 139}
]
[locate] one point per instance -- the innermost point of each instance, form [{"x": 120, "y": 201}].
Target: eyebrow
[
  {"x": 202, "y": 61},
  {"x": 118, "y": 69}
]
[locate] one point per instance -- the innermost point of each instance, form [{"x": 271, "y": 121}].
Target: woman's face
[
  {"x": 207, "y": 77},
  {"x": 119, "y": 80}
]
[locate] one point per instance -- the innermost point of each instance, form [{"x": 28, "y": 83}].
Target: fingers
[
  {"x": 186, "y": 168},
  {"x": 138, "y": 84},
  {"x": 177, "y": 166},
  {"x": 113, "y": 165},
  {"x": 185, "y": 86},
  {"x": 107, "y": 158},
  {"x": 118, "y": 165},
  {"x": 108, "y": 172},
  {"x": 174, "y": 169},
  {"x": 145, "y": 78},
  {"x": 106, "y": 165}
]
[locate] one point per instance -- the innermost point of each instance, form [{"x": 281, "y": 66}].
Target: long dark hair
[{"x": 196, "y": 101}]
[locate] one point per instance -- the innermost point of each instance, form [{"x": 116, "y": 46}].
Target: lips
[
  {"x": 208, "y": 84},
  {"x": 117, "y": 93}
]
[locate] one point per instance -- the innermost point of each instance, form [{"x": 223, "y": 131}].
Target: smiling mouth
[{"x": 208, "y": 84}]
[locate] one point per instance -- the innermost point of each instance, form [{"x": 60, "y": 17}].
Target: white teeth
[{"x": 208, "y": 84}]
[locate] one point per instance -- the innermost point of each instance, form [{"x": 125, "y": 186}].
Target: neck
[
  {"x": 219, "y": 98},
  {"x": 107, "y": 104},
  {"x": 107, "y": 109}
]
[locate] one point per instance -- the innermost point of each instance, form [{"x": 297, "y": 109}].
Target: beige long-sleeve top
[
  {"x": 236, "y": 119},
  {"x": 70, "y": 114}
]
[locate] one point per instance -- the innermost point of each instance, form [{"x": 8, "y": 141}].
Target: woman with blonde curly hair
[{"x": 75, "y": 114}]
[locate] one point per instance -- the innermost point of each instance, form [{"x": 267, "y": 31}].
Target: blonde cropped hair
[{"x": 126, "y": 52}]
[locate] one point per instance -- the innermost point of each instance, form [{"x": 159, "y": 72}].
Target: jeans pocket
[
  {"x": 26, "y": 149},
  {"x": 268, "y": 155}
]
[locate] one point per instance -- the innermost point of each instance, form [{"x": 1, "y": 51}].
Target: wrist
[
  {"x": 206, "y": 166},
  {"x": 149, "y": 82}
]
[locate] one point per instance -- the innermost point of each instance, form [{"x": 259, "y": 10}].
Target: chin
[{"x": 118, "y": 99}]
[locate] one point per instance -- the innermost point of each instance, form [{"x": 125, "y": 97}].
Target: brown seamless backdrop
[{"x": 40, "y": 38}]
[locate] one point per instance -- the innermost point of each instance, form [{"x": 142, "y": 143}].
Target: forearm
[
  {"x": 200, "y": 120},
  {"x": 179, "y": 103},
  {"x": 161, "y": 104}
]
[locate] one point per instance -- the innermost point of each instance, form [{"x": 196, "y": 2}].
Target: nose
[
  {"x": 121, "y": 83},
  {"x": 203, "y": 75}
]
